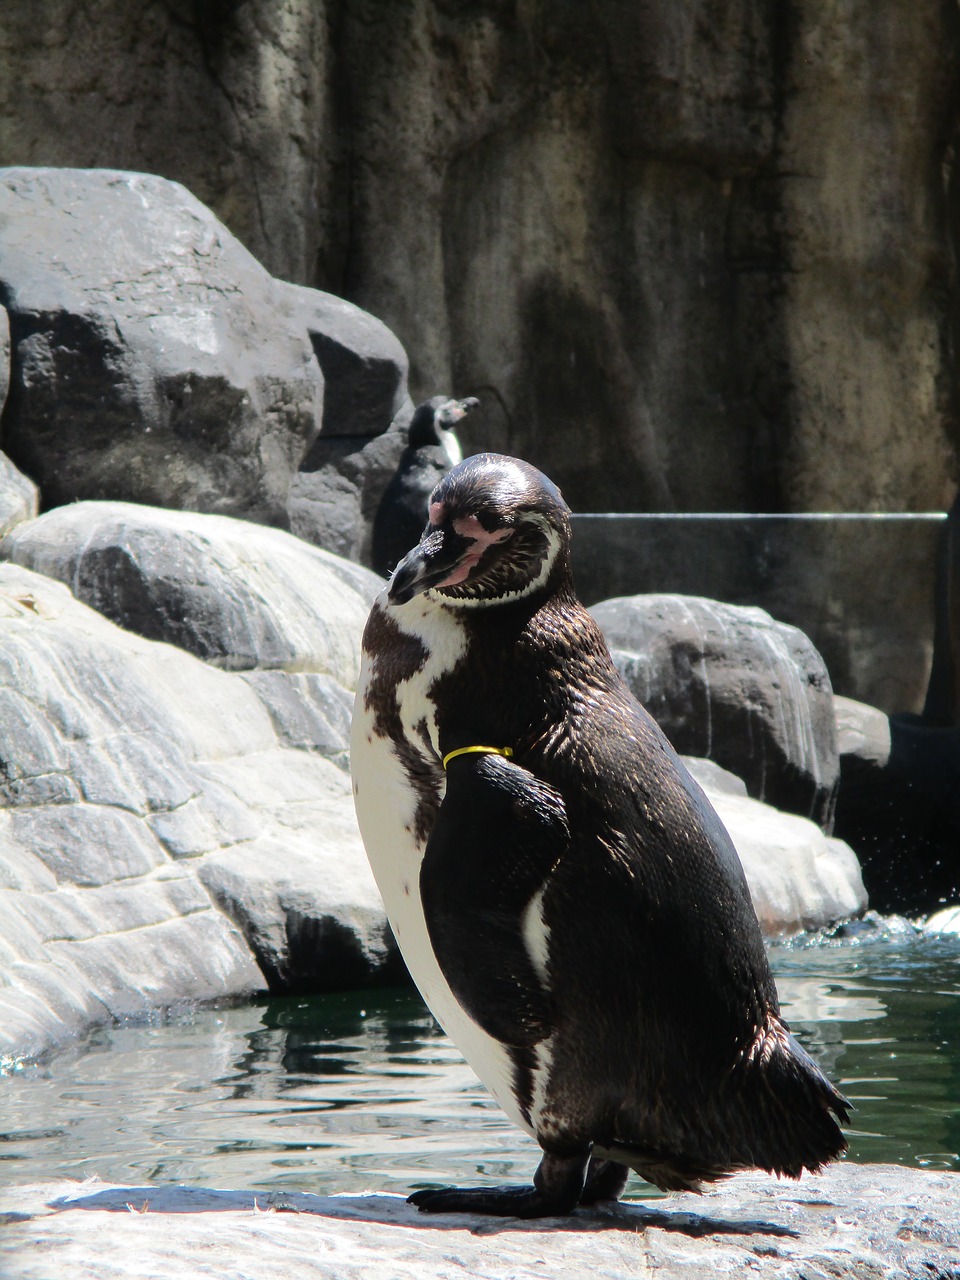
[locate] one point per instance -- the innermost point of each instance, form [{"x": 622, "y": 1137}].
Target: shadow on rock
[{"x": 394, "y": 1211}]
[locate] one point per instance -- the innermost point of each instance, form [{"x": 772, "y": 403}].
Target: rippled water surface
[{"x": 362, "y": 1090}]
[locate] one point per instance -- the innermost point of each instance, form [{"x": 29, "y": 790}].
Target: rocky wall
[{"x": 692, "y": 257}]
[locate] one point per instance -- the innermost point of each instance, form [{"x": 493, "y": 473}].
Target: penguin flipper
[{"x": 498, "y": 835}]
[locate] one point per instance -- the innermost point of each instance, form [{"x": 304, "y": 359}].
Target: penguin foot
[
  {"x": 606, "y": 1180},
  {"x": 558, "y": 1186}
]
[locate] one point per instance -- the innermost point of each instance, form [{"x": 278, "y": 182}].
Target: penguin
[
  {"x": 432, "y": 449},
  {"x": 564, "y": 896}
]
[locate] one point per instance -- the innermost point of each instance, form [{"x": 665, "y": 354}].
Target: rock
[
  {"x": 341, "y": 480},
  {"x": 140, "y": 787},
  {"x": 798, "y": 877},
  {"x": 459, "y": 171},
  {"x": 4, "y": 356},
  {"x": 18, "y": 496},
  {"x": 849, "y": 1223},
  {"x": 731, "y": 684},
  {"x": 335, "y": 505},
  {"x": 945, "y": 921},
  {"x": 364, "y": 367},
  {"x": 236, "y": 594},
  {"x": 898, "y": 806},
  {"x": 153, "y": 358}
]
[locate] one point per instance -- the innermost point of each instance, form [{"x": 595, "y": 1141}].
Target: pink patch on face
[
  {"x": 481, "y": 538},
  {"x": 437, "y": 513}
]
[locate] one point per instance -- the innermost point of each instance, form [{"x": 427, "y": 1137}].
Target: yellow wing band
[{"x": 486, "y": 751}]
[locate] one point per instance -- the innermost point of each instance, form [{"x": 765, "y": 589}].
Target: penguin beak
[{"x": 434, "y": 560}]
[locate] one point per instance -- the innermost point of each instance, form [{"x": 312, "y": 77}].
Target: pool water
[{"x": 362, "y": 1090}]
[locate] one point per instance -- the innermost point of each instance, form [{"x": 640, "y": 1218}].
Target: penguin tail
[{"x": 792, "y": 1112}]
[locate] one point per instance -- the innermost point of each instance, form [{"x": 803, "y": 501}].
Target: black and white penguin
[
  {"x": 432, "y": 449},
  {"x": 564, "y": 895}
]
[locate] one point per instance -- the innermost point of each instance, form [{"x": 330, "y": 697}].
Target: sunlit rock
[
  {"x": 848, "y": 1223},
  {"x": 157, "y": 832},
  {"x": 151, "y": 346},
  {"x": 237, "y": 594},
  {"x": 945, "y": 921},
  {"x": 798, "y": 877},
  {"x": 18, "y": 496},
  {"x": 731, "y": 684}
]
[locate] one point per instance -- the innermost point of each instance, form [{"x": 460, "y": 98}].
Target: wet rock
[
  {"x": 945, "y": 921},
  {"x": 157, "y": 834},
  {"x": 731, "y": 684},
  {"x": 869, "y": 1222},
  {"x": 153, "y": 358},
  {"x": 18, "y": 496},
  {"x": 898, "y": 806},
  {"x": 236, "y": 594},
  {"x": 798, "y": 877}
]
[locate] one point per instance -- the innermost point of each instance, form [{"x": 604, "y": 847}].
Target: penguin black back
[{"x": 583, "y": 925}]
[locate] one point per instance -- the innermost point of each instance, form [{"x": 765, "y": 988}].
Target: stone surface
[
  {"x": 798, "y": 877},
  {"x": 139, "y": 787},
  {"x": 742, "y": 311},
  {"x": 945, "y": 921},
  {"x": 870, "y": 1222},
  {"x": 733, "y": 685},
  {"x": 335, "y": 505},
  {"x": 873, "y": 627},
  {"x": 153, "y": 358},
  {"x": 4, "y": 356},
  {"x": 18, "y": 496},
  {"x": 363, "y": 364},
  {"x": 231, "y": 592}
]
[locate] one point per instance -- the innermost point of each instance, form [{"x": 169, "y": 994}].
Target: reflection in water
[{"x": 362, "y": 1090}]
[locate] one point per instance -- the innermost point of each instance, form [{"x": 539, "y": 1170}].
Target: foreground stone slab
[{"x": 858, "y": 1221}]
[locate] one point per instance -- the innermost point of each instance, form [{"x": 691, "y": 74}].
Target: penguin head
[
  {"x": 499, "y": 531},
  {"x": 434, "y": 420}
]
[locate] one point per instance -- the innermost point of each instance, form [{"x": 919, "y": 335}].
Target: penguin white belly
[{"x": 386, "y": 806}]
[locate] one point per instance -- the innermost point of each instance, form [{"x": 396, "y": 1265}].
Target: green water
[{"x": 362, "y": 1090}]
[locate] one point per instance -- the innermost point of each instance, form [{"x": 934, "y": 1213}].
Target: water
[{"x": 362, "y": 1090}]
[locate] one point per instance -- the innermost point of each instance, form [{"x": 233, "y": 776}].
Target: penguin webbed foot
[{"x": 558, "y": 1186}]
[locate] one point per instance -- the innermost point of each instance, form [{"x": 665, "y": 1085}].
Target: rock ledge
[{"x": 855, "y": 1220}]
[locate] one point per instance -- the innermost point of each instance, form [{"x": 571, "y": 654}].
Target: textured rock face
[
  {"x": 798, "y": 877},
  {"x": 851, "y": 1223},
  {"x": 233, "y": 593},
  {"x": 642, "y": 227},
  {"x": 732, "y": 685},
  {"x": 153, "y": 358},
  {"x": 18, "y": 496},
  {"x": 162, "y": 823}
]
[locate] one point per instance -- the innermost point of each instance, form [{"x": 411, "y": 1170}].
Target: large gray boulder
[
  {"x": 153, "y": 358},
  {"x": 18, "y": 496},
  {"x": 158, "y": 832},
  {"x": 234, "y": 593},
  {"x": 799, "y": 878},
  {"x": 852, "y": 1222},
  {"x": 731, "y": 684}
]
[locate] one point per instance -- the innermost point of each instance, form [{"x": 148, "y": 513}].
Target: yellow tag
[{"x": 486, "y": 751}]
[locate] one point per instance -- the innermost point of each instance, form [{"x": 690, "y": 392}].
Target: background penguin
[
  {"x": 432, "y": 449},
  {"x": 565, "y": 897}
]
